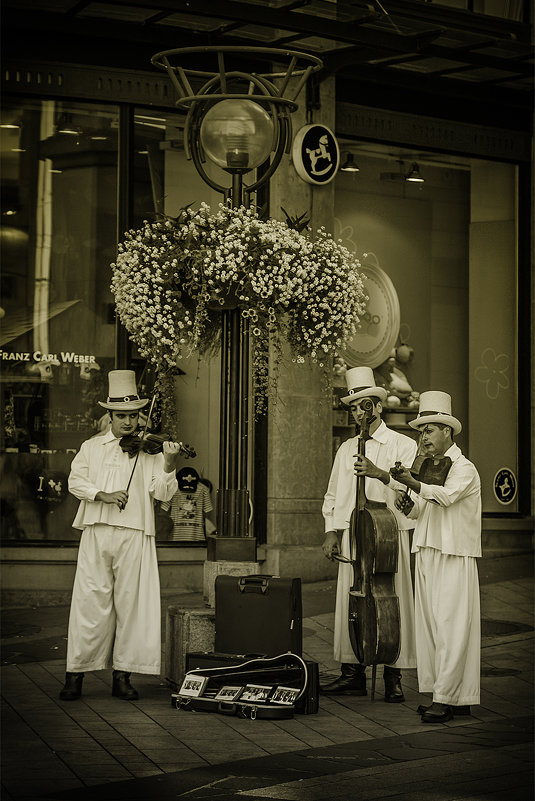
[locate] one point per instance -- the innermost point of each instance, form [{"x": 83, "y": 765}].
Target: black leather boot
[
  {"x": 352, "y": 681},
  {"x": 393, "y": 691},
  {"x": 121, "y": 687},
  {"x": 72, "y": 688}
]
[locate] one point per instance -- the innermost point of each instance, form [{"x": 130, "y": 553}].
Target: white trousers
[
  {"x": 448, "y": 627},
  {"x": 343, "y": 652},
  {"x": 115, "y": 618}
]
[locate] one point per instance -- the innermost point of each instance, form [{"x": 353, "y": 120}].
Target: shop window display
[{"x": 59, "y": 174}]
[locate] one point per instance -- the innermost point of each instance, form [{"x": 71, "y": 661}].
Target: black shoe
[
  {"x": 393, "y": 691},
  {"x": 352, "y": 681},
  {"x": 72, "y": 688},
  {"x": 437, "y": 713},
  {"x": 457, "y": 711},
  {"x": 421, "y": 709},
  {"x": 121, "y": 687}
]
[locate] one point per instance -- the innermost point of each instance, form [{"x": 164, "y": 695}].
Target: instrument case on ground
[
  {"x": 258, "y": 614},
  {"x": 307, "y": 704},
  {"x": 257, "y": 688}
]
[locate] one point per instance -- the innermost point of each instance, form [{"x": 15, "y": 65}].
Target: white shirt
[
  {"x": 101, "y": 466},
  {"x": 449, "y": 517},
  {"x": 384, "y": 449}
]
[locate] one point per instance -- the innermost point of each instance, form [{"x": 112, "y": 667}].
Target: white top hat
[
  {"x": 122, "y": 392},
  {"x": 435, "y": 407},
  {"x": 361, "y": 384}
]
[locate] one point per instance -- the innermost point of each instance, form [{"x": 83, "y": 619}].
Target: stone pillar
[
  {"x": 224, "y": 568},
  {"x": 299, "y": 428},
  {"x": 186, "y": 630}
]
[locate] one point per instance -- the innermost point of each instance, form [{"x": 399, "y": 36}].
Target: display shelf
[{"x": 398, "y": 418}]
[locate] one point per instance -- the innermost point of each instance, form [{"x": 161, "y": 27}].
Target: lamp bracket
[
  {"x": 276, "y": 91},
  {"x": 301, "y": 65}
]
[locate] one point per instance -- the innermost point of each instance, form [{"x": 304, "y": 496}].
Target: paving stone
[{"x": 350, "y": 739}]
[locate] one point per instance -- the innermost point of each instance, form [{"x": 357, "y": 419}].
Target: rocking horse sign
[{"x": 315, "y": 154}]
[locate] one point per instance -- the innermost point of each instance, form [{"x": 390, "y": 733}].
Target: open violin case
[{"x": 256, "y": 688}]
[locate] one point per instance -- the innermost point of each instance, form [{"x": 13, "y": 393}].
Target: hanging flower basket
[{"x": 173, "y": 277}]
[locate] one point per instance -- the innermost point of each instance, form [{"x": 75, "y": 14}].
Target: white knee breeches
[
  {"x": 115, "y": 617},
  {"x": 448, "y": 627}
]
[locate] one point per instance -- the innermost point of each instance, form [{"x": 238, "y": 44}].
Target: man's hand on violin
[
  {"x": 170, "y": 451},
  {"x": 400, "y": 473},
  {"x": 404, "y": 476},
  {"x": 119, "y": 498},
  {"x": 331, "y": 545},
  {"x": 365, "y": 467}
]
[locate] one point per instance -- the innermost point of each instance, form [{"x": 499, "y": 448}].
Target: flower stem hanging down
[{"x": 171, "y": 276}]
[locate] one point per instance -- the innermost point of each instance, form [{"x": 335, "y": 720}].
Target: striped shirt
[{"x": 187, "y": 511}]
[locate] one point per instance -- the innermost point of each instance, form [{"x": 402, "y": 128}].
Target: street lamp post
[{"x": 238, "y": 120}]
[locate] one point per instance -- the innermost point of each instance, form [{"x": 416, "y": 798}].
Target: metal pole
[
  {"x": 233, "y": 495},
  {"x": 222, "y": 506},
  {"x": 234, "y": 400}
]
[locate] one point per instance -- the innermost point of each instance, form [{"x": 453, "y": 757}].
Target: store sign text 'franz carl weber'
[{"x": 65, "y": 357}]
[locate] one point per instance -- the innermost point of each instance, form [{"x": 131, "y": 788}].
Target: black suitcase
[
  {"x": 306, "y": 704},
  {"x": 258, "y": 615}
]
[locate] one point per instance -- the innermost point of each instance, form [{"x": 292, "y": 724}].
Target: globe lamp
[{"x": 237, "y": 135}]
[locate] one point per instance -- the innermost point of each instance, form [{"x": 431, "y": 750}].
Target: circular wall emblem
[
  {"x": 315, "y": 154},
  {"x": 379, "y": 326},
  {"x": 505, "y": 485}
]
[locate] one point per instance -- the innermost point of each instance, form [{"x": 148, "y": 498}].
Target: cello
[{"x": 374, "y": 615}]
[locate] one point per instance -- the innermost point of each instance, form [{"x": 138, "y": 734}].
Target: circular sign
[
  {"x": 379, "y": 326},
  {"x": 315, "y": 154},
  {"x": 505, "y": 486}
]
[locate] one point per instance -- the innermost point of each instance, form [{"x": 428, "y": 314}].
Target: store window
[
  {"x": 59, "y": 197},
  {"x": 446, "y": 246},
  {"x": 165, "y": 181}
]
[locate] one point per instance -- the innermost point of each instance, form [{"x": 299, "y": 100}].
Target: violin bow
[{"x": 142, "y": 437}]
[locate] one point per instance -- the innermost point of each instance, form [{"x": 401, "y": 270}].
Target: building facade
[{"x": 93, "y": 144}]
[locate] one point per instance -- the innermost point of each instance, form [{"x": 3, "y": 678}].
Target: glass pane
[
  {"x": 59, "y": 185},
  {"x": 165, "y": 181},
  {"x": 448, "y": 246}
]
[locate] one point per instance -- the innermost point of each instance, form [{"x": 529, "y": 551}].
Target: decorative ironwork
[{"x": 276, "y": 91}]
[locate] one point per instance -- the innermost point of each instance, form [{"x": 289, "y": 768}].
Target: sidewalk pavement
[{"x": 103, "y": 749}]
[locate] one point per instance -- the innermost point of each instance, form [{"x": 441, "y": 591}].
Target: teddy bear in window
[{"x": 392, "y": 377}]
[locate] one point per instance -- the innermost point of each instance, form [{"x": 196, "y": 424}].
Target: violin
[
  {"x": 374, "y": 615},
  {"x": 428, "y": 470},
  {"x": 150, "y": 443},
  {"x": 147, "y": 442}
]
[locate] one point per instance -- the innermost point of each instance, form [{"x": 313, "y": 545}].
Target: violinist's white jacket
[
  {"x": 449, "y": 516},
  {"x": 101, "y": 466}
]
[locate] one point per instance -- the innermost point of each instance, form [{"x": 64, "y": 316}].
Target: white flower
[{"x": 291, "y": 285}]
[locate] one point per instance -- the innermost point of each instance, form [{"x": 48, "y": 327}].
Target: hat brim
[
  {"x": 124, "y": 406},
  {"x": 443, "y": 419},
  {"x": 369, "y": 392}
]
